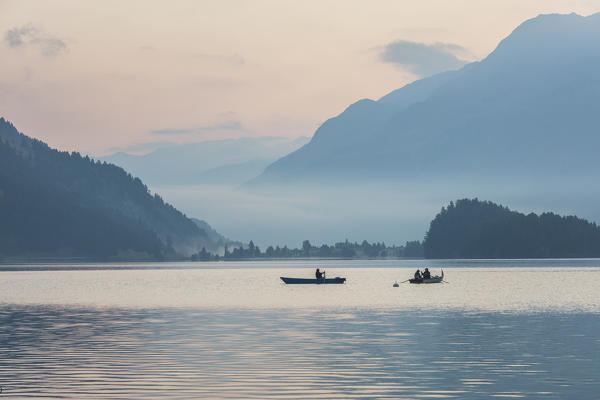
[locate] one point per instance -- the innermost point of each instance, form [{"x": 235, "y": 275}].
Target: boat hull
[
  {"x": 432, "y": 280},
  {"x": 314, "y": 281},
  {"x": 435, "y": 279}
]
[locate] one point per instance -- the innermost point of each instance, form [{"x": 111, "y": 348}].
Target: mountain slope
[
  {"x": 56, "y": 204},
  {"x": 219, "y": 240},
  {"x": 530, "y": 109}
]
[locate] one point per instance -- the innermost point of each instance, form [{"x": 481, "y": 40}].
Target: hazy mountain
[
  {"x": 528, "y": 111},
  {"x": 60, "y": 204},
  {"x": 232, "y": 174},
  {"x": 230, "y": 161},
  {"x": 215, "y": 237}
]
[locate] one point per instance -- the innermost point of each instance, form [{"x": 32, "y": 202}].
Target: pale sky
[{"x": 95, "y": 76}]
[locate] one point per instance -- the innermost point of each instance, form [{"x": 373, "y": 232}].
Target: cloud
[
  {"x": 51, "y": 46},
  {"x": 229, "y": 126},
  {"x": 30, "y": 36},
  {"x": 171, "y": 131},
  {"x": 233, "y": 125},
  {"x": 234, "y": 60},
  {"x": 423, "y": 59},
  {"x": 15, "y": 36},
  {"x": 140, "y": 148}
]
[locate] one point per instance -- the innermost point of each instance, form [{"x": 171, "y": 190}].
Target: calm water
[{"x": 510, "y": 329}]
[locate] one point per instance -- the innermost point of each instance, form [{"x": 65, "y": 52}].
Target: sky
[{"x": 102, "y": 76}]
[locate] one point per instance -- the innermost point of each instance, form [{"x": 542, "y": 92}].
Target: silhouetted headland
[{"x": 482, "y": 229}]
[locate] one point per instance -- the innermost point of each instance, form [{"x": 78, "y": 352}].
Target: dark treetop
[{"x": 482, "y": 229}]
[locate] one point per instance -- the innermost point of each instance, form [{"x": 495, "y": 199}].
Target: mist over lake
[{"x": 373, "y": 211}]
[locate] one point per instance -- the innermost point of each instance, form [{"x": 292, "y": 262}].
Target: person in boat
[
  {"x": 418, "y": 274},
  {"x": 319, "y": 274},
  {"x": 426, "y": 274}
]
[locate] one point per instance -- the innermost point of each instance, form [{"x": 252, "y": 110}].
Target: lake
[{"x": 498, "y": 329}]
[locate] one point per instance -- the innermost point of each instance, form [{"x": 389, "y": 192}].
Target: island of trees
[
  {"x": 471, "y": 228},
  {"x": 346, "y": 250}
]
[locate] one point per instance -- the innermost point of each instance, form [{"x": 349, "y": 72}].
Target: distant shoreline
[
  {"x": 75, "y": 260},
  {"x": 184, "y": 260}
]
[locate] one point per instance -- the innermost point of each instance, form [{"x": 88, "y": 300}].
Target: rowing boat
[
  {"x": 433, "y": 279},
  {"x": 304, "y": 281}
]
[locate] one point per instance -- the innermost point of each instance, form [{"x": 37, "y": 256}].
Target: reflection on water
[
  {"x": 505, "y": 329},
  {"x": 297, "y": 353}
]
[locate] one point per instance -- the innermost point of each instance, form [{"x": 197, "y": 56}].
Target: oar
[
  {"x": 405, "y": 281},
  {"x": 445, "y": 282}
]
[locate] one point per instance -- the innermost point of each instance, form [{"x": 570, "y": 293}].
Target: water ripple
[{"x": 71, "y": 352}]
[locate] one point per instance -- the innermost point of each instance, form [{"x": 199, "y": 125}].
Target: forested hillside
[
  {"x": 60, "y": 204},
  {"x": 482, "y": 229}
]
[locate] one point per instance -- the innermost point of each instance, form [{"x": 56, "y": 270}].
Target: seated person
[
  {"x": 426, "y": 274},
  {"x": 418, "y": 275},
  {"x": 319, "y": 274}
]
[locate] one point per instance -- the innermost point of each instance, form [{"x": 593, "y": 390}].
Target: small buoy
[{"x": 396, "y": 284}]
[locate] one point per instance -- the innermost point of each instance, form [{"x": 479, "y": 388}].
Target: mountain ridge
[
  {"x": 515, "y": 110},
  {"x": 195, "y": 163}
]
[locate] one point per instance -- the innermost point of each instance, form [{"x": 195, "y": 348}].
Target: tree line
[{"x": 346, "y": 249}]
